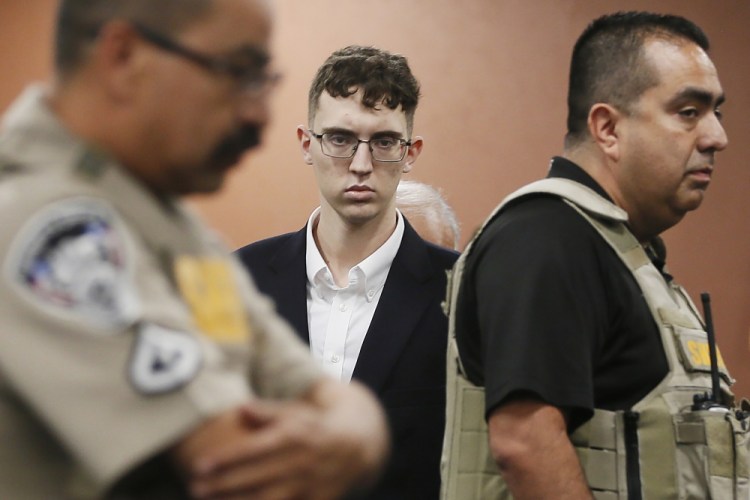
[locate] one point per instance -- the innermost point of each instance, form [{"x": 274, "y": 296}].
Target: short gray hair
[{"x": 419, "y": 200}]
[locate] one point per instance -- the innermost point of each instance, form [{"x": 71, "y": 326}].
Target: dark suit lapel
[
  {"x": 290, "y": 289},
  {"x": 406, "y": 296}
]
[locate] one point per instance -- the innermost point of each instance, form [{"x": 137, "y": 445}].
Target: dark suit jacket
[{"x": 403, "y": 356}]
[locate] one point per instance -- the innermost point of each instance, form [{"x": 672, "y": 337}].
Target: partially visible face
[
  {"x": 668, "y": 142},
  {"x": 200, "y": 123},
  {"x": 357, "y": 190}
]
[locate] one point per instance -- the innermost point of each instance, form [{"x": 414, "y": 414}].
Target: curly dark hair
[
  {"x": 608, "y": 66},
  {"x": 79, "y": 20},
  {"x": 383, "y": 78}
]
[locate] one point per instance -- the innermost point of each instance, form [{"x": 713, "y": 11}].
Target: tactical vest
[{"x": 661, "y": 447}]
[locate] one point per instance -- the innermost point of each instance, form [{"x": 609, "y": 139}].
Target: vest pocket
[{"x": 711, "y": 455}]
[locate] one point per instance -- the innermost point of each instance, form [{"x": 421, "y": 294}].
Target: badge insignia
[
  {"x": 693, "y": 349},
  {"x": 209, "y": 288},
  {"x": 72, "y": 259},
  {"x": 163, "y": 360}
]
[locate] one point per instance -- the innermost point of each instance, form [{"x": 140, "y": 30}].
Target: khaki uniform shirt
[{"x": 124, "y": 324}]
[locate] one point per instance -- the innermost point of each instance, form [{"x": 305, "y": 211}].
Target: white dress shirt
[{"x": 338, "y": 318}]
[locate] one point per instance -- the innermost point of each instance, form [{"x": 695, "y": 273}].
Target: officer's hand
[{"x": 313, "y": 449}]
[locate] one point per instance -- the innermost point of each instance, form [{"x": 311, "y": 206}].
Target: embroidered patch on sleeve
[
  {"x": 163, "y": 360},
  {"x": 72, "y": 259}
]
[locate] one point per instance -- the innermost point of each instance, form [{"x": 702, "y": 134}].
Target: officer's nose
[
  {"x": 255, "y": 109},
  {"x": 713, "y": 136}
]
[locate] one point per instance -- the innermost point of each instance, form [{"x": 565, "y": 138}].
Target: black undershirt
[{"x": 547, "y": 309}]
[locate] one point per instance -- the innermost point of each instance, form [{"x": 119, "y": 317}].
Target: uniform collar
[{"x": 32, "y": 132}]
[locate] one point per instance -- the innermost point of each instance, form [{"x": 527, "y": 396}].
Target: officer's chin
[{"x": 208, "y": 182}]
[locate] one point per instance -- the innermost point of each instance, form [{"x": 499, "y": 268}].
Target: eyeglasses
[
  {"x": 250, "y": 75},
  {"x": 342, "y": 145}
]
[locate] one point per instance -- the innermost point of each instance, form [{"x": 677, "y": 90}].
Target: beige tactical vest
[{"x": 660, "y": 448}]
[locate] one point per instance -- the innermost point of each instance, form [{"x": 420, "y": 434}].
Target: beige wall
[{"x": 493, "y": 74}]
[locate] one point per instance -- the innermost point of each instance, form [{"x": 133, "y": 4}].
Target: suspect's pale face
[{"x": 357, "y": 189}]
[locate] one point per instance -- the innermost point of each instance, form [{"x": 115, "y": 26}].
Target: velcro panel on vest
[
  {"x": 474, "y": 453},
  {"x": 468, "y": 470},
  {"x": 599, "y": 467},
  {"x": 741, "y": 435},
  {"x": 716, "y": 431},
  {"x": 596, "y": 446},
  {"x": 721, "y": 447},
  {"x": 471, "y": 472},
  {"x": 690, "y": 433},
  {"x": 657, "y": 459},
  {"x": 605, "y": 495},
  {"x": 711, "y": 448}
]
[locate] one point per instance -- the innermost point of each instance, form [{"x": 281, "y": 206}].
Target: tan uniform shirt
[{"x": 123, "y": 322}]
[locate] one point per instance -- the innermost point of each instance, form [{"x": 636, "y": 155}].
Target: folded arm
[{"x": 320, "y": 446}]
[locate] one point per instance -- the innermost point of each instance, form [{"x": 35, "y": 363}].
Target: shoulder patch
[
  {"x": 72, "y": 259},
  {"x": 163, "y": 360}
]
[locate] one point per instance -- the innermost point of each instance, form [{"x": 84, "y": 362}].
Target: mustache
[{"x": 229, "y": 151}]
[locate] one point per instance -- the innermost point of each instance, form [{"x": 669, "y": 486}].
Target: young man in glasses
[
  {"x": 357, "y": 282},
  {"x": 136, "y": 359}
]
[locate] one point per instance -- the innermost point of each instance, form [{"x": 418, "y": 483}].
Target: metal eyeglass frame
[{"x": 403, "y": 142}]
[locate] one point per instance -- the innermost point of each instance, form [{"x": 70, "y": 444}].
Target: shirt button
[
  {"x": 342, "y": 307},
  {"x": 371, "y": 293},
  {"x": 335, "y": 359}
]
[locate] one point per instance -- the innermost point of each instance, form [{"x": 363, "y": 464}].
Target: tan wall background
[{"x": 494, "y": 77}]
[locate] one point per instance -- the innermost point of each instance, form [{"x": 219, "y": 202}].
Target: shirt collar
[
  {"x": 566, "y": 169},
  {"x": 314, "y": 263},
  {"x": 370, "y": 274}
]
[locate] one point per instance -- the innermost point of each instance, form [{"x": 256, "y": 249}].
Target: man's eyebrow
[
  {"x": 388, "y": 133},
  {"x": 698, "y": 94},
  {"x": 381, "y": 133},
  {"x": 336, "y": 130}
]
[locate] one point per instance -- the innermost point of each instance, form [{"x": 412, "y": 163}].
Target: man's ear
[
  {"x": 603, "y": 123},
  {"x": 117, "y": 58},
  {"x": 411, "y": 156},
  {"x": 305, "y": 141}
]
